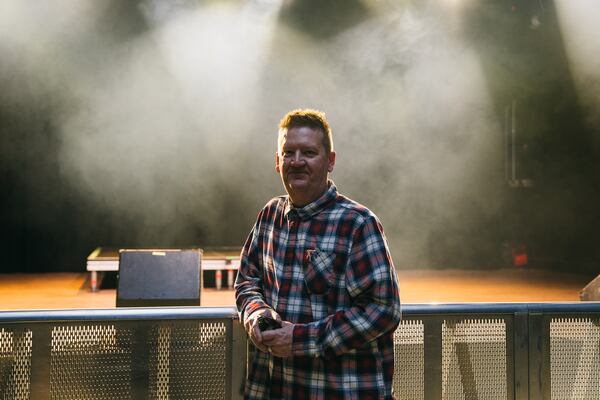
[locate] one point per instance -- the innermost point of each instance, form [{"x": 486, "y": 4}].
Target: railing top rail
[
  {"x": 177, "y": 313},
  {"x": 500, "y": 308},
  {"x": 133, "y": 313}
]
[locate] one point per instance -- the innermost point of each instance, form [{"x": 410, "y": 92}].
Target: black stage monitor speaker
[
  {"x": 592, "y": 291},
  {"x": 156, "y": 278}
]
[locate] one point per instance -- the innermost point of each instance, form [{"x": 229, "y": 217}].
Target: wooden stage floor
[{"x": 71, "y": 290}]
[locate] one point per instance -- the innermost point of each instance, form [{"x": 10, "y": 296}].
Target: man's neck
[{"x": 300, "y": 201}]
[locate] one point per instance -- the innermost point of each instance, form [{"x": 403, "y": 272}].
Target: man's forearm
[
  {"x": 345, "y": 330},
  {"x": 249, "y": 299}
]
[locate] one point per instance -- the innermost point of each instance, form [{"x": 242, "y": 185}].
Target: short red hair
[{"x": 314, "y": 119}]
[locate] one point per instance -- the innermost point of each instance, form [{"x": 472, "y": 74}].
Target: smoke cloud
[
  {"x": 582, "y": 41},
  {"x": 165, "y": 113}
]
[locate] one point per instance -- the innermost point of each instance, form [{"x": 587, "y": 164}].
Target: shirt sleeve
[
  {"x": 248, "y": 285},
  {"x": 374, "y": 300}
]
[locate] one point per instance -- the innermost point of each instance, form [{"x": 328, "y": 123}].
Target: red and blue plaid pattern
[{"x": 325, "y": 267}]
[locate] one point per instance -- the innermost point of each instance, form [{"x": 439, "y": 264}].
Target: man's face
[{"x": 303, "y": 163}]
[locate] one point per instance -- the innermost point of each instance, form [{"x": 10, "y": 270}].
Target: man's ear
[
  {"x": 330, "y": 161},
  {"x": 277, "y": 163}
]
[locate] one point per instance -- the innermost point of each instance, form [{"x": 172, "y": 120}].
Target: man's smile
[{"x": 297, "y": 174}]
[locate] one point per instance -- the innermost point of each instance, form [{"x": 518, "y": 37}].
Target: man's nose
[{"x": 297, "y": 158}]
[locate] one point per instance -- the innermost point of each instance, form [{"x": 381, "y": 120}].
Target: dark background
[{"x": 51, "y": 218}]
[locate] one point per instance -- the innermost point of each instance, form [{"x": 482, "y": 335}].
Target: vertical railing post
[
  {"x": 239, "y": 346},
  {"x": 140, "y": 380},
  {"x": 539, "y": 352},
  {"x": 433, "y": 358},
  {"x": 40, "y": 360},
  {"x": 520, "y": 351},
  {"x": 546, "y": 365}
]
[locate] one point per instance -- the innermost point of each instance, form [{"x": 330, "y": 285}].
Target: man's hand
[
  {"x": 251, "y": 326},
  {"x": 279, "y": 341}
]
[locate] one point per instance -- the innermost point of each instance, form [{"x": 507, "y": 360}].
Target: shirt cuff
[
  {"x": 252, "y": 307},
  {"x": 304, "y": 341}
]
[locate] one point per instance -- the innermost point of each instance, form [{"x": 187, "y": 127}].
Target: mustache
[{"x": 292, "y": 170}]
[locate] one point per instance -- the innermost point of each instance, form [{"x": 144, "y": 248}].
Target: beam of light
[
  {"x": 164, "y": 112},
  {"x": 157, "y": 120},
  {"x": 453, "y": 8},
  {"x": 43, "y": 44},
  {"x": 455, "y": 4},
  {"x": 422, "y": 128},
  {"x": 453, "y": 12},
  {"x": 216, "y": 52},
  {"x": 38, "y": 27},
  {"x": 581, "y": 36}
]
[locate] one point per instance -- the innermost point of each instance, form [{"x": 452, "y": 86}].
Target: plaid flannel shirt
[{"x": 326, "y": 268}]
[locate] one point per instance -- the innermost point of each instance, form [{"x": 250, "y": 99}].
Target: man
[{"x": 318, "y": 263}]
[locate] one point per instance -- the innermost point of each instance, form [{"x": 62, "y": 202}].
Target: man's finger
[
  {"x": 281, "y": 351},
  {"x": 257, "y": 333},
  {"x": 260, "y": 346},
  {"x": 271, "y": 337},
  {"x": 281, "y": 336},
  {"x": 256, "y": 338}
]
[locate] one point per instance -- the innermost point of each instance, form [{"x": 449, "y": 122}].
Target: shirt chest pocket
[{"x": 319, "y": 274}]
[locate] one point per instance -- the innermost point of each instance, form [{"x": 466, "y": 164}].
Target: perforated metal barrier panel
[
  {"x": 442, "y": 352},
  {"x": 575, "y": 358},
  {"x": 189, "y": 361},
  {"x": 474, "y": 362},
  {"x": 91, "y": 362},
  {"x": 15, "y": 363},
  {"x": 409, "y": 361},
  {"x": 184, "y": 360}
]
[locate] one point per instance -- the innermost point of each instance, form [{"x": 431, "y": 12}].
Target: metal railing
[{"x": 445, "y": 351}]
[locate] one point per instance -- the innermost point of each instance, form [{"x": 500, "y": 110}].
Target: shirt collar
[{"x": 312, "y": 209}]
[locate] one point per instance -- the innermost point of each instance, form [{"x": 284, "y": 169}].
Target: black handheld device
[{"x": 266, "y": 323}]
